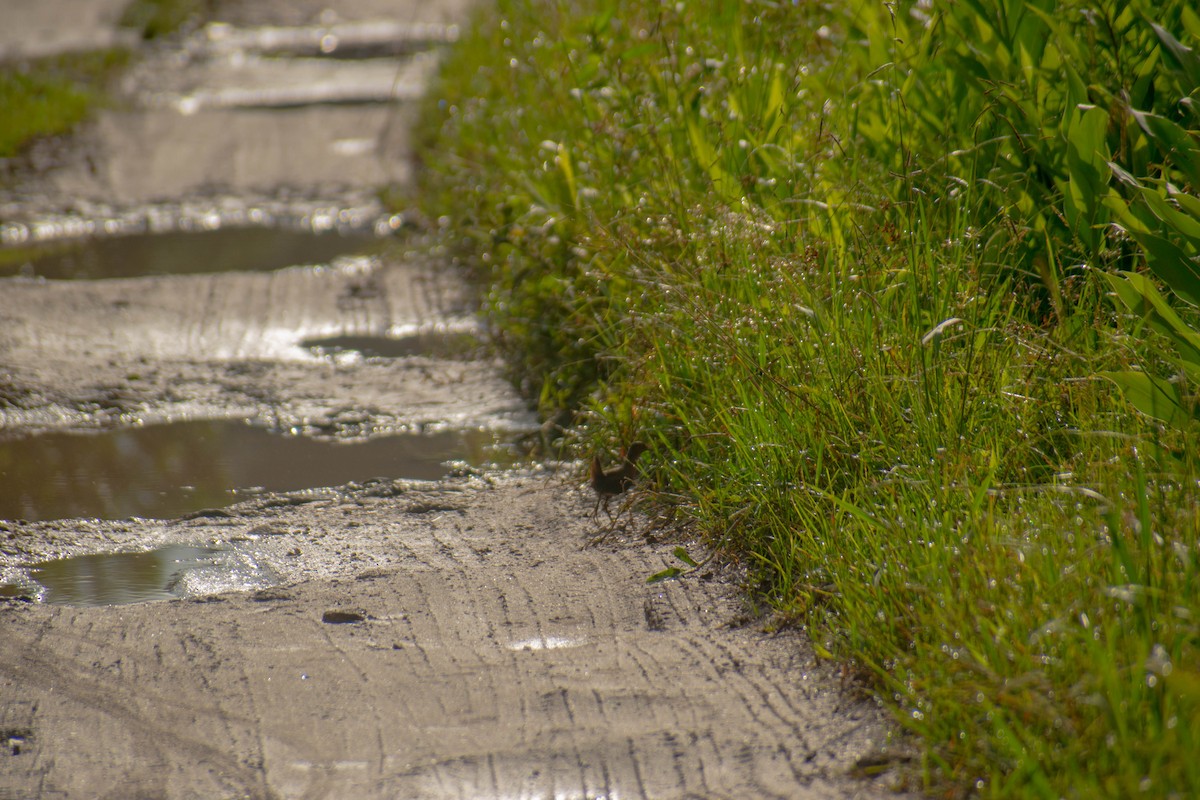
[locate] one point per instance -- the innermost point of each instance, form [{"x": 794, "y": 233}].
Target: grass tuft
[{"x": 50, "y": 96}]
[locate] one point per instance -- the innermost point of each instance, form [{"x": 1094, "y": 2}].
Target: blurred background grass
[{"x": 51, "y": 96}]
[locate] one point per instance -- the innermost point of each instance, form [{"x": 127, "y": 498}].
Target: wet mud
[
  {"x": 169, "y": 470},
  {"x": 268, "y": 526},
  {"x": 106, "y": 579},
  {"x": 226, "y": 249}
]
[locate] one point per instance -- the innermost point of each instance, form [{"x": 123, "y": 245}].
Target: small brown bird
[{"x": 608, "y": 484}]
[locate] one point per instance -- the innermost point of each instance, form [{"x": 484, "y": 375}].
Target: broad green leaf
[
  {"x": 1172, "y": 265},
  {"x": 1076, "y": 88},
  {"x": 1191, "y": 22},
  {"x": 1189, "y": 203},
  {"x": 1178, "y": 221},
  {"x": 1085, "y": 129},
  {"x": 1174, "y": 142},
  {"x": 1140, "y": 296},
  {"x": 1130, "y": 221},
  {"x": 1192, "y": 371},
  {"x": 1127, "y": 293},
  {"x": 1123, "y": 175},
  {"x": 1152, "y": 396},
  {"x": 1179, "y": 55},
  {"x": 709, "y": 160}
]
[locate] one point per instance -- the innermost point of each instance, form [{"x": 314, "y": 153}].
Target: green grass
[
  {"x": 154, "y": 19},
  {"x": 50, "y": 96},
  {"x": 904, "y": 304}
]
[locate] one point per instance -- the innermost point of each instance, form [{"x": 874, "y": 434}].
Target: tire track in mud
[
  {"x": 204, "y": 317},
  {"x": 184, "y": 339},
  {"x": 111, "y": 710},
  {"x": 495, "y": 657}
]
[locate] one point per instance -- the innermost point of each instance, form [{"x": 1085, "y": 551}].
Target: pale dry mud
[
  {"x": 32, "y": 29},
  {"x": 450, "y": 639}
]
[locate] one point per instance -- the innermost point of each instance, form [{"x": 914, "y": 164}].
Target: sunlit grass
[
  {"x": 865, "y": 336},
  {"x": 51, "y": 96}
]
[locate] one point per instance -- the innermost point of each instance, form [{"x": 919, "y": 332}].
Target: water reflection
[
  {"x": 114, "y": 578},
  {"x": 167, "y": 470},
  {"x": 10, "y": 591},
  {"x": 436, "y": 344},
  {"x": 182, "y": 253}
]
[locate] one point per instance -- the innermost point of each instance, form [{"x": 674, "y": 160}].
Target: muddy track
[
  {"x": 86, "y": 354},
  {"x": 456, "y": 638},
  {"x": 476, "y": 650}
]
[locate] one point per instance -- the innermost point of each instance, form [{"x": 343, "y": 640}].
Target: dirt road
[
  {"x": 446, "y": 639},
  {"x": 459, "y": 643}
]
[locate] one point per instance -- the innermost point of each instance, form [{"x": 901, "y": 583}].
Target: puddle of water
[
  {"x": 163, "y": 471},
  {"x": 182, "y": 253},
  {"x": 441, "y": 344},
  {"x": 13, "y": 590},
  {"x": 117, "y": 578}
]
